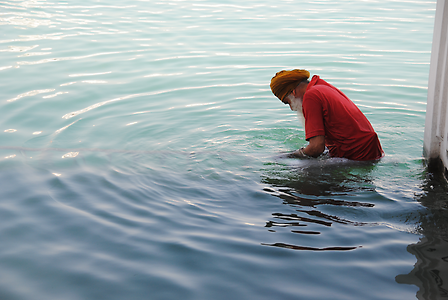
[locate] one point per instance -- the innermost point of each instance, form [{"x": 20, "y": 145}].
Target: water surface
[{"x": 141, "y": 152}]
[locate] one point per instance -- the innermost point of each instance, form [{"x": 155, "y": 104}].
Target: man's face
[{"x": 295, "y": 103}]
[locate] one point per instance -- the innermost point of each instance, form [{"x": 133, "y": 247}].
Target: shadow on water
[
  {"x": 430, "y": 272},
  {"x": 313, "y": 188}
]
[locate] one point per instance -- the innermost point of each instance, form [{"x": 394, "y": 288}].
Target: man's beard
[{"x": 296, "y": 105}]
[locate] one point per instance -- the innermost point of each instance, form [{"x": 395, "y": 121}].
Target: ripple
[
  {"x": 68, "y": 83},
  {"x": 70, "y": 155},
  {"x": 30, "y": 93},
  {"x": 54, "y": 95},
  {"x": 94, "y": 81},
  {"x": 65, "y": 127},
  {"x": 34, "y": 54},
  {"x": 294, "y": 247},
  {"x": 163, "y": 75},
  {"x": 19, "y": 48},
  {"x": 89, "y": 74},
  {"x": 20, "y": 21},
  {"x": 63, "y": 59},
  {"x": 73, "y": 58},
  {"x": 96, "y": 105}
]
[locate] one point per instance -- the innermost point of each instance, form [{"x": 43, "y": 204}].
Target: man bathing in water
[{"x": 331, "y": 119}]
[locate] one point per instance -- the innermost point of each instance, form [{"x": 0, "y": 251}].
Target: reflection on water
[
  {"x": 310, "y": 187},
  {"x": 430, "y": 272}
]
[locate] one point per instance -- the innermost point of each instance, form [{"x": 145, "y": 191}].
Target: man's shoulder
[
  {"x": 318, "y": 90},
  {"x": 324, "y": 88}
]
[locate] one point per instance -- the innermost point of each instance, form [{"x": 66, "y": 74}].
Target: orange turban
[{"x": 285, "y": 81}]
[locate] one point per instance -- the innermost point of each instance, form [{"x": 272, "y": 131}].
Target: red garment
[{"x": 347, "y": 131}]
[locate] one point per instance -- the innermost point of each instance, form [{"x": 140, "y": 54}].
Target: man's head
[
  {"x": 289, "y": 87},
  {"x": 285, "y": 82}
]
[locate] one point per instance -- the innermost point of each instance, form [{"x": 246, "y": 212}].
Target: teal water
[{"x": 140, "y": 153}]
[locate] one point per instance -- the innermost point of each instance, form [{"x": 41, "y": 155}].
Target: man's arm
[{"x": 315, "y": 148}]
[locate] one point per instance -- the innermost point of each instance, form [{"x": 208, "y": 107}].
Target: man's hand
[
  {"x": 315, "y": 147},
  {"x": 299, "y": 154}
]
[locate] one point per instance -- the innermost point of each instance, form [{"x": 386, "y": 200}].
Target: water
[{"x": 141, "y": 153}]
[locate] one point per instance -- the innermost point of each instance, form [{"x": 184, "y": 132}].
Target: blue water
[{"x": 141, "y": 153}]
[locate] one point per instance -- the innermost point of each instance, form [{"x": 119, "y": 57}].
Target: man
[{"x": 332, "y": 120}]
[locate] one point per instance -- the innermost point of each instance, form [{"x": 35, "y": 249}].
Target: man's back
[{"x": 347, "y": 131}]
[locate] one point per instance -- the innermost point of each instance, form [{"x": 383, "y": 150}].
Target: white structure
[{"x": 435, "y": 144}]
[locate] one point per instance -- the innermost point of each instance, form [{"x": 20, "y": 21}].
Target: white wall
[{"x": 436, "y": 126}]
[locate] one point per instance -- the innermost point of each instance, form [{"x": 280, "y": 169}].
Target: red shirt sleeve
[{"x": 314, "y": 115}]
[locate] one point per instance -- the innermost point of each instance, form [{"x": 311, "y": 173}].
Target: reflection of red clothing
[{"x": 347, "y": 131}]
